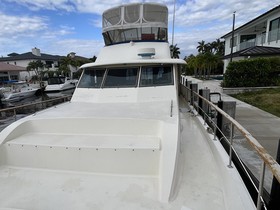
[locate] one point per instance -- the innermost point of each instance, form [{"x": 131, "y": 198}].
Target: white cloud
[
  {"x": 86, "y": 48},
  {"x": 21, "y": 26},
  {"x": 43, "y": 4}
]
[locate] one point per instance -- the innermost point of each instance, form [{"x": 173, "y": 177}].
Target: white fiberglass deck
[{"x": 205, "y": 180}]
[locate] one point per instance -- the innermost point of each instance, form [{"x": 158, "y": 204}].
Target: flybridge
[{"x": 135, "y": 22}]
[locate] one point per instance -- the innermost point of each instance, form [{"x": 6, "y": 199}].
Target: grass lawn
[{"x": 267, "y": 100}]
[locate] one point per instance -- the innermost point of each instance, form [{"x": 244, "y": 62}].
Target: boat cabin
[{"x": 135, "y": 22}]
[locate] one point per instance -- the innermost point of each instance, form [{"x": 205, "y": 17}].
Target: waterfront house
[
  {"x": 10, "y": 72},
  {"x": 51, "y": 62},
  {"x": 259, "y": 37}
]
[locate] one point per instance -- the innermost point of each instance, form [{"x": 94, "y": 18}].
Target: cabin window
[
  {"x": 121, "y": 77},
  {"x": 56, "y": 80},
  {"x": 91, "y": 78},
  {"x": 156, "y": 76}
]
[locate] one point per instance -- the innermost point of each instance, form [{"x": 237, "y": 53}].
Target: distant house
[
  {"x": 10, "y": 72},
  {"x": 51, "y": 62},
  {"x": 259, "y": 37}
]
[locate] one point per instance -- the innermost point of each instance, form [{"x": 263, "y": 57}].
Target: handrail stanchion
[
  {"x": 15, "y": 114},
  {"x": 230, "y": 146},
  {"x": 215, "y": 131},
  {"x": 262, "y": 174}
]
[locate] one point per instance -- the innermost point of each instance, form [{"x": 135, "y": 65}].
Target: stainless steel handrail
[
  {"x": 267, "y": 159},
  {"x": 14, "y": 109}
]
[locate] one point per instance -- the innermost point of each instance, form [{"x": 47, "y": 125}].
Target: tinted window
[
  {"x": 91, "y": 78},
  {"x": 121, "y": 77},
  {"x": 156, "y": 75},
  {"x": 56, "y": 80}
]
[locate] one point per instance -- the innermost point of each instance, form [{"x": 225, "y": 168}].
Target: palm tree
[
  {"x": 93, "y": 59},
  {"x": 174, "y": 51},
  {"x": 37, "y": 67},
  {"x": 211, "y": 62},
  {"x": 201, "y": 47},
  {"x": 220, "y": 47}
]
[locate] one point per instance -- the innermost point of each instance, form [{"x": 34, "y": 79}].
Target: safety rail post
[
  {"x": 215, "y": 131},
  {"x": 193, "y": 90},
  {"x": 15, "y": 114},
  {"x": 203, "y": 105},
  {"x": 262, "y": 174},
  {"x": 274, "y": 202},
  {"x": 231, "y": 145},
  {"x": 188, "y": 85}
]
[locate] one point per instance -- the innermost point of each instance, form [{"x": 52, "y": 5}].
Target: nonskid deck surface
[
  {"x": 202, "y": 183},
  {"x": 23, "y": 188}
]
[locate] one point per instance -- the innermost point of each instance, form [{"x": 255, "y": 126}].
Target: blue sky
[{"x": 61, "y": 26}]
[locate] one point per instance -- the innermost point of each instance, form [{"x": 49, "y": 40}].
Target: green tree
[
  {"x": 36, "y": 66},
  {"x": 201, "y": 48},
  {"x": 174, "y": 51},
  {"x": 93, "y": 59},
  {"x": 71, "y": 62}
]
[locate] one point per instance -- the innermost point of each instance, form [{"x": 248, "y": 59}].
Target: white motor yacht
[
  {"x": 17, "y": 91},
  {"x": 125, "y": 141},
  {"x": 57, "y": 84}
]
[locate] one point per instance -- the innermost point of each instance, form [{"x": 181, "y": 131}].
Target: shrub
[{"x": 258, "y": 72}]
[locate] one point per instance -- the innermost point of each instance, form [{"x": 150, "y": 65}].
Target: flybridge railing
[{"x": 267, "y": 160}]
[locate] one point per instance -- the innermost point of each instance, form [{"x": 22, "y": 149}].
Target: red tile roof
[{"x": 9, "y": 67}]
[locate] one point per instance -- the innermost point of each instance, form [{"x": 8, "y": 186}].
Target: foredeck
[{"x": 205, "y": 181}]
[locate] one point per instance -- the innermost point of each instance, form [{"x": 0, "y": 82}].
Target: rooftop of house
[
  {"x": 264, "y": 15},
  {"x": 9, "y": 67},
  {"x": 30, "y": 56},
  {"x": 255, "y": 51}
]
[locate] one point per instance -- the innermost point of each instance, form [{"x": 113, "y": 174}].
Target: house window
[
  {"x": 14, "y": 77},
  {"x": 274, "y": 30},
  {"x": 247, "y": 41},
  {"x": 245, "y": 38},
  {"x": 234, "y": 42}
]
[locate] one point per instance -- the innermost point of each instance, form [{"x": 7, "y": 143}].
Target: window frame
[
  {"x": 139, "y": 69},
  {"x": 91, "y": 69},
  {"x": 121, "y": 67},
  {"x": 157, "y": 85}
]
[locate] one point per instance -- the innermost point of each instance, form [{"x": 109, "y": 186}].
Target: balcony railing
[
  {"x": 247, "y": 44},
  {"x": 274, "y": 35},
  {"x": 258, "y": 41}
]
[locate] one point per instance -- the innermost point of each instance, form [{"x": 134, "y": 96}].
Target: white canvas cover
[
  {"x": 135, "y": 15},
  {"x": 135, "y": 22}
]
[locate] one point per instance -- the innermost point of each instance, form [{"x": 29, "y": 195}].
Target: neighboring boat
[
  {"x": 56, "y": 84},
  {"x": 122, "y": 142},
  {"x": 17, "y": 91}
]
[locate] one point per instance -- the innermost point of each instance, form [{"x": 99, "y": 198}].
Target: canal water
[{"x": 8, "y": 117}]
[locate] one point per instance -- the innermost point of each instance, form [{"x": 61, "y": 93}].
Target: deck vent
[{"x": 146, "y": 52}]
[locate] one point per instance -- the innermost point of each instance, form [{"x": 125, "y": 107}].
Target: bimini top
[{"x": 135, "y": 22}]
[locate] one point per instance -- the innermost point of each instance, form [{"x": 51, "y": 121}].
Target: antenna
[
  {"x": 173, "y": 22},
  {"x": 232, "y": 36}
]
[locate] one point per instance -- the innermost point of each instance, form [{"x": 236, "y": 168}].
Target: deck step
[{"x": 117, "y": 154}]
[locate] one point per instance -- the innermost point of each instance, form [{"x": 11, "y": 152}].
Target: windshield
[
  {"x": 121, "y": 77},
  {"x": 92, "y": 78},
  {"x": 56, "y": 80},
  {"x": 154, "y": 76},
  {"x": 124, "y": 77}
]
